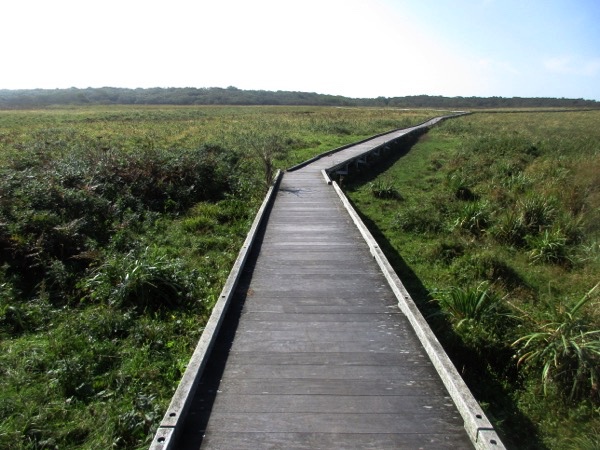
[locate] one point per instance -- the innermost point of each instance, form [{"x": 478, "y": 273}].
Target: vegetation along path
[{"x": 314, "y": 351}]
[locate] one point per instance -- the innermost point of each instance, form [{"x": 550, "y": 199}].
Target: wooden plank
[
  {"x": 352, "y": 441},
  {"x": 333, "y": 423},
  {"x": 411, "y": 405},
  {"x": 391, "y": 358},
  {"x": 255, "y": 345},
  {"x": 307, "y": 308},
  {"x": 331, "y": 388},
  {"x": 382, "y": 318},
  {"x": 398, "y": 338},
  {"x": 327, "y": 372},
  {"x": 332, "y": 325}
]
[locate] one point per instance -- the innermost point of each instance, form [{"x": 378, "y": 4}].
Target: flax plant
[
  {"x": 565, "y": 348},
  {"x": 468, "y": 304}
]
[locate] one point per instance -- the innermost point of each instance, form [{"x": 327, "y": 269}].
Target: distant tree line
[{"x": 28, "y": 98}]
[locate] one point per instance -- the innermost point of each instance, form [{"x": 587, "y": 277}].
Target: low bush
[
  {"x": 447, "y": 251},
  {"x": 537, "y": 213},
  {"x": 63, "y": 210}
]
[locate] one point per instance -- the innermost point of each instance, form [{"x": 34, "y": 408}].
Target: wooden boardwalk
[{"x": 314, "y": 352}]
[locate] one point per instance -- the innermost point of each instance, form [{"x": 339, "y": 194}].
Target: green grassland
[
  {"x": 118, "y": 228},
  {"x": 492, "y": 220}
]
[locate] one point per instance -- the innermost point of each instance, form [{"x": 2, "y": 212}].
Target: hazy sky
[{"x": 355, "y": 48}]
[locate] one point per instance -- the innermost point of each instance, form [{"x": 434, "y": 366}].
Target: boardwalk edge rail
[
  {"x": 478, "y": 427},
  {"x": 166, "y": 435}
]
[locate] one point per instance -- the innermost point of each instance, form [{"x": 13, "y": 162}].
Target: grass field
[
  {"x": 118, "y": 227},
  {"x": 492, "y": 220}
]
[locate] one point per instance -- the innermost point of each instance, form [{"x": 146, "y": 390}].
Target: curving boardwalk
[{"x": 314, "y": 351}]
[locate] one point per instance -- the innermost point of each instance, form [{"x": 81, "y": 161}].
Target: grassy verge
[
  {"x": 492, "y": 222},
  {"x": 118, "y": 228}
]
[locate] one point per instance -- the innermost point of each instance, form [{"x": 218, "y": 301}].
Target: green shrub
[
  {"x": 589, "y": 442},
  {"x": 64, "y": 209},
  {"x": 495, "y": 269},
  {"x": 573, "y": 228},
  {"x": 161, "y": 180},
  {"x": 231, "y": 210},
  {"x": 199, "y": 224},
  {"x": 133, "y": 425},
  {"x": 587, "y": 252},
  {"x": 505, "y": 145},
  {"x": 518, "y": 182}
]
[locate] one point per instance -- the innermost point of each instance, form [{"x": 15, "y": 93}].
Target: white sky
[{"x": 355, "y": 48}]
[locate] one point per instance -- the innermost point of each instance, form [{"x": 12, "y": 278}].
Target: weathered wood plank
[
  {"x": 404, "y": 373},
  {"x": 338, "y": 422},
  {"x": 307, "y": 308},
  {"x": 332, "y": 388},
  {"x": 349, "y": 441},
  {"x": 398, "y": 339},
  {"x": 302, "y": 346},
  {"x": 411, "y": 405},
  {"x": 391, "y": 358}
]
